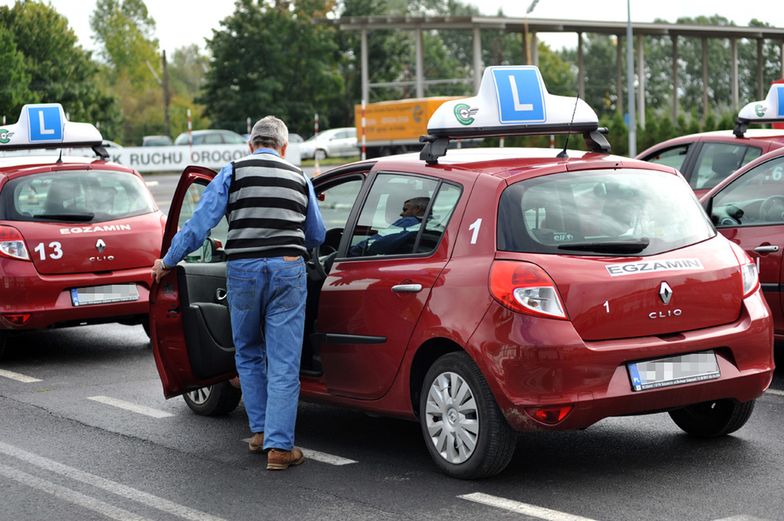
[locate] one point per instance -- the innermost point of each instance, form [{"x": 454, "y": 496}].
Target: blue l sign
[
  {"x": 45, "y": 124},
  {"x": 520, "y": 96},
  {"x": 780, "y": 92}
]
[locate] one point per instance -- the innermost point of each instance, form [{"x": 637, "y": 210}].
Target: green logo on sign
[
  {"x": 5, "y": 136},
  {"x": 760, "y": 109},
  {"x": 464, "y": 113}
]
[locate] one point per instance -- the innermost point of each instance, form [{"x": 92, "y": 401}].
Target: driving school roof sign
[
  {"x": 44, "y": 125},
  {"x": 771, "y": 109}
]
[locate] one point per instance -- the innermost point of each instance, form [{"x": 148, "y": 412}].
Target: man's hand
[{"x": 158, "y": 270}]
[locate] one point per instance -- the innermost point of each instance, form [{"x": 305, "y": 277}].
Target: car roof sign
[
  {"x": 512, "y": 101},
  {"x": 44, "y": 125},
  {"x": 769, "y": 110}
]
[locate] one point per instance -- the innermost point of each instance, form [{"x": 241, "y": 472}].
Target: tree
[
  {"x": 41, "y": 55},
  {"x": 273, "y": 60},
  {"x": 187, "y": 72}
]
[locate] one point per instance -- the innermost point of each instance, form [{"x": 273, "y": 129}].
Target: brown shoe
[
  {"x": 256, "y": 443},
  {"x": 281, "y": 459}
]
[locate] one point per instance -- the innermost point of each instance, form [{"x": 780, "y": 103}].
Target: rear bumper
[
  {"x": 48, "y": 297},
  {"x": 532, "y": 362}
]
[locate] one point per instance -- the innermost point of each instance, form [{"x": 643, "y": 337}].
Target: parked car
[
  {"x": 156, "y": 141},
  {"x": 707, "y": 158},
  {"x": 536, "y": 291},
  {"x": 211, "y": 137},
  {"x": 748, "y": 209},
  {"x": 78, "y": 235},
  {"x": 335, "y": 142}
]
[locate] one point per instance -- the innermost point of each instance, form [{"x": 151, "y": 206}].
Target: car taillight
[
  {"x": 526, "y": 288},
  {"x": 750, "y": 277},
  {"x": 12, "y": 244},
  {"x": 551, "y": 415}
]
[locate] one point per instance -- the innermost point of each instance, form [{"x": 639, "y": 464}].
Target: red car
[
  {"x": 707, "y": 158},
  {"x": 77, "y": 236},
  {"x": 748, "y": 209},
  {"x": 537, "y": 291}
]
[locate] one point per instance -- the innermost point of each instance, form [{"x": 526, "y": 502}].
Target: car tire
[
  {"x": 320, "y": 154},
  {"x": 213, "y": 400},
  {"x": 146, "y": 327},
  {"x": 3, "y": 342},
  {"x": 712, "y": 419},
  {"x": 449, "y": 427}
]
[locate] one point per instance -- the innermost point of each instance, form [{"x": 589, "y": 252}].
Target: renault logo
[
  {"x": 665, "y": 293},
  {"x": 100, "y": 245}
]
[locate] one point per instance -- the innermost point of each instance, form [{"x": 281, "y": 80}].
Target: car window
[
  {"x": 340, "y": 135},
  {"x": 673, "y": 157},
  {"x": 94, "y": 196},
  {"x": 603, "y": 212},
  {"x": 335, "y": 202},
  {"x": 211, "y": 138},
  {"x": 718, "y": 160},
  {"x": 440, "y": 213},
  {"x": 219, "y": 233},
  {"x": 383, "y": 227},
  {"x": 755, "y": 198},
  {"x": 233, "y": 139}
]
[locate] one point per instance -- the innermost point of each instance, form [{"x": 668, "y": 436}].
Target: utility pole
[
  {"x": 630, "y": 82},
  {"x": 166, "y": 94}
]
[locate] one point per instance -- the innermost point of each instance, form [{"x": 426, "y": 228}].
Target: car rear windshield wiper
[
  {"x": 79, "y": 217},
  {"x": 634, "y": 246}
]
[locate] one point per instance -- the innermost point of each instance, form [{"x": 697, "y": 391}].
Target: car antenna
[
  {"x": 60, "y": 158},
  {"x": 562, "y": 154}
]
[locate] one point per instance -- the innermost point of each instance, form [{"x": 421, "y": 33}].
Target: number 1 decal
[
  {"x": 475, "y": 228},
  {"x": 607, "y": 306}
]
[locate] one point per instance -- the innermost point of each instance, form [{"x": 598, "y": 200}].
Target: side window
[
  {"x": 755, "y": 198},
  {"x": 335, "y": 203},
  {"x": 213, "y": 139},
  {"x": 718, "y": 160},
  {"x": 217, "y": 235},
  {"x": 440, "y": 213},
  {"x": 392, "y": 216},
  {"x": 673, "y": 157}
]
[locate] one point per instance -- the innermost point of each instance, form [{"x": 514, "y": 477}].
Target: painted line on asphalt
[
  {"x": 775, "y": 391},
  {"x": 149, "y": 500},
  {"x": 128, "y": 406},
  {"x": 18, "y": 377},
  {"x": 521, "y": 508},
  {"x": 72, "y": 496},
  {"x": 742, "y": 518},
  {"x": 321, "y": 457}
]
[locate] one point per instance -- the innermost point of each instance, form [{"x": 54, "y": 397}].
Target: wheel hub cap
[{"x": 452, "y": 417}]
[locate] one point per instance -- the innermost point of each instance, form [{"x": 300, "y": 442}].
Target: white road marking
[
  {"x": 128, "y": 406},
  {"x": 742, "y": 518},
  {"x": 151, "y": 183},
  {"x": 521, "y": 508},
  {"x": 322, "y": 457},
  {"x": 775, "y": 391},
  {"x": 164, "y": 505},
  {"x": 69, "y": 495},
  {"x": 18, "y": 377}
]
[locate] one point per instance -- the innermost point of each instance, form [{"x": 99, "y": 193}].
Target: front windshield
[
  {"x": 609, "y": 212},
  {"x": 78, "y": 196}
]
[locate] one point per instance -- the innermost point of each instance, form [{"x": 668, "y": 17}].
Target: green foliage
[
  {"x": 273, "y": 60},
  {"x": 41, "y": 62}
]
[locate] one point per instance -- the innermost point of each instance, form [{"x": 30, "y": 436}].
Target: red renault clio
[
  {"x": 537, "y": 290},
  {"x": 77, "y": 235}
]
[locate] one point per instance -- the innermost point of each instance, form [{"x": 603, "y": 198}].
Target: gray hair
[{"x": 270, "y": 132}]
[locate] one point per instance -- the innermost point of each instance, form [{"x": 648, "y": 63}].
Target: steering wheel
[
  {"x": 772, "y": 209},
  {"x": 314, "y": 267}
]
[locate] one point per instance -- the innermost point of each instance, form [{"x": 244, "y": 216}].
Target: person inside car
[{"x": 402, "y": 232}]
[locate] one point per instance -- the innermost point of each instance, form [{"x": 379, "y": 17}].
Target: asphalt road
[{"x": 74, "y": 445}]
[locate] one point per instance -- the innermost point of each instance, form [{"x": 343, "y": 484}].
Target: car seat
[{"x": 724, "y": 163}]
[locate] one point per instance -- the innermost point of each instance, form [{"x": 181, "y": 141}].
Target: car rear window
[
  {"x": 85, "y": 196},
  {"x": 618, "y": 212}
]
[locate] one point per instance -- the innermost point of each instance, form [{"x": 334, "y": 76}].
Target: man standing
[{"x": 273, "y": 220}]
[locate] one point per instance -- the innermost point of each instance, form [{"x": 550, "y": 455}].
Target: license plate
[
  {"x": 673, "y": 370},
  {"x": 104, "y": 294}
]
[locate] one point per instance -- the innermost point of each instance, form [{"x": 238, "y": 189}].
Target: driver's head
[{"x": 415, "y": 207}]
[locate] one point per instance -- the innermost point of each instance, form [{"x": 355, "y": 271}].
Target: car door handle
[
  {"x": 407, "y": 288},
  {"x": 770, "y": 248}
]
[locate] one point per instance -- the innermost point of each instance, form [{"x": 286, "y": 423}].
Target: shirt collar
[{"x": 263, "y": 150}]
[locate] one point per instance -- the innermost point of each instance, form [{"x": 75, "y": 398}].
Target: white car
[{"x": 341, "y": 142}]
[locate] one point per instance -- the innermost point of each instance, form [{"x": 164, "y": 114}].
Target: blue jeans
[{"x": 267, "y": 305}]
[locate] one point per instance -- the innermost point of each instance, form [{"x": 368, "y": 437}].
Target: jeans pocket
[
  {"x": 290, "y": 287},
  {"x": 241, "y": 293}
]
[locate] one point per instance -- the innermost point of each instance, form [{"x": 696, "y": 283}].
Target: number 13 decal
[
  {"x": 474, "y": 226},
  {"x": 56, "y": 250}
]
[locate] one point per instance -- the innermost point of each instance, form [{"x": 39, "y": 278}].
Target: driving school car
[
  {"x": 77, "y": 235},
  {"x": 539, "y": 290}
]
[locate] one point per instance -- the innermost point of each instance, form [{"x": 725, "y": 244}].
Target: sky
[{"x": 183, "y": 22}]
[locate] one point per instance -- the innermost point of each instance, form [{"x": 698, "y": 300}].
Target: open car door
[{"x": 189, "y": 318}]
